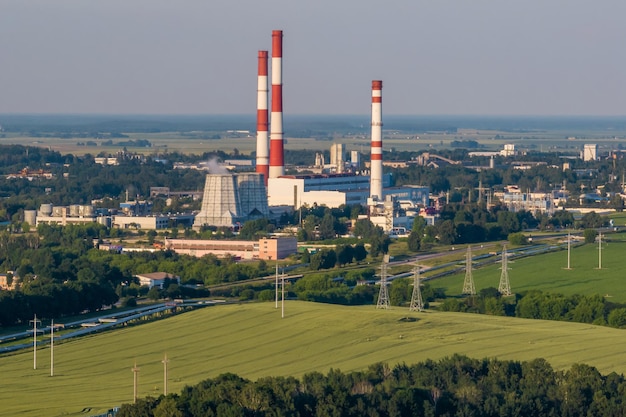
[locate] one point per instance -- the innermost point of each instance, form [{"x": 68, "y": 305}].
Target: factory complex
[{"x": 230, "y": 199}]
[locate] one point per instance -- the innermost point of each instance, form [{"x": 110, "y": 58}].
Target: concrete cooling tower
[
  {"x": 229, "y": 199},
  {"x": 252, "y": 195}
]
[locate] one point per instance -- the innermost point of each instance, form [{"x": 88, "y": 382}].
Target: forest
[{"x": 454, "y": 386}]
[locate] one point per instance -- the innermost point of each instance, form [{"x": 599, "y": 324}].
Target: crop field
[
  {"x": 548, "y": 273},
  {"x": 94, "y": 373}
]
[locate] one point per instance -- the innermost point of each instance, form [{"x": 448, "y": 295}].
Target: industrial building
[
  {"x": 331, "y": 190},
  {"x": 156, "y": 279},
  {"x": 267, "y": 249}
]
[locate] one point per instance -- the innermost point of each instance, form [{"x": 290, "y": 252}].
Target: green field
[
  {"x": 94, "y": 373},
  {"x": 548, "y": 273}
]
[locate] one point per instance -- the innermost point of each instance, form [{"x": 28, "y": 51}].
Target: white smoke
[{"x": 215, "y": 167}]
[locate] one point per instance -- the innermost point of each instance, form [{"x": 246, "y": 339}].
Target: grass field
[
  {"x": 94, "y": 373},
  {"x": 548, "y": 273}
]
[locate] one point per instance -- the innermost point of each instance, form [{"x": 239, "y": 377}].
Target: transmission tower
[
  {"x": 505, "y": 287},
  {"x": 468, "y": 283},
  {"x": 417, "y": 304},
  {"x": 383, "y": 296}
]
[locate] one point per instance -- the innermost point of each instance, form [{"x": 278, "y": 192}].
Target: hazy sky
[{"x": 494, "y": 57}]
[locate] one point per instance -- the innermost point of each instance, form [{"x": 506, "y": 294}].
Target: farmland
[
  {"x": 548, "y": 273},
  {"x": 253, "y": 341}
]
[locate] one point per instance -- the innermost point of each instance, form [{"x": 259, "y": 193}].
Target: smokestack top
[
  {"x": 377, "y": 85},
  {"x": 277, "y": 44},
  {"x": 262, "y": 63}
]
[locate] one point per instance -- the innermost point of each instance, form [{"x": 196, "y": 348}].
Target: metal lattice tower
[
  {"x": 417, "y": 304},
  {"x": 505, "y": 286},
  {"x": 468, "y": 283},
  {"x": 383, "y": 296}
]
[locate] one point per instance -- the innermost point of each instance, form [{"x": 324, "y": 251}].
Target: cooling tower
[
  {"x": 220, "y": 202},
  {"x": 252, "y": 195}
]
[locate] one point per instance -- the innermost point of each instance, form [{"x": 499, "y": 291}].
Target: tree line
[{"x": 453, "y": 386}]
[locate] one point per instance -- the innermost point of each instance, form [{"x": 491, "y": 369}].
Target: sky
[{"x": 435, "y": 57}]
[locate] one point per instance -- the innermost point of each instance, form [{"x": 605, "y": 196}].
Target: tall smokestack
[
  {"x": 262, "y": 138},
  {"x": 376, "y": 160},
  {"x": 277, "y": 163}
]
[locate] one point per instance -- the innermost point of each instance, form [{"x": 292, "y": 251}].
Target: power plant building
[{"x": 330, "y": 190}]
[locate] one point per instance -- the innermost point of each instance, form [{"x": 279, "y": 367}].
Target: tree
[
  {"x": 518, "y": 239},
  {"x": 508, "y": 221},
  {"x": 617, "y": 318},
  {"x": 414, "y": 241},
  {"x": 359, "y": 252},
  {"x": 154, "y": 293},
  {"x": 590, "y": 235},
  {"x": 345, "y": 254}
]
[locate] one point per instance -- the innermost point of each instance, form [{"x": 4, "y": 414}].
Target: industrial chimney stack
[
  {"x": 277, "y": 163},
  {"x": 376, "y": 160},
  {"x": 262, "y": 139}
]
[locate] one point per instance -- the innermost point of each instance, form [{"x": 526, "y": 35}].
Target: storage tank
[
  {"x": 46, "y": 209},
  {"x": 30, "y": 217},
  {"x": 59, "y": 211},
  {"x": 74, "y": 210},
  {"x": 105, "y": 220},
  {"x": 87, "y": 211}
]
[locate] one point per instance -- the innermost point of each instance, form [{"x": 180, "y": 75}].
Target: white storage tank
[
  {"x": 46, "y": 209},
  {"x": 74, "y": 210},
  {"x": 87, "y": 211},
  {"x": 105, "y": 220},
  {"x": 30, "y": 217},
  {"x": 59, "y": 211}
]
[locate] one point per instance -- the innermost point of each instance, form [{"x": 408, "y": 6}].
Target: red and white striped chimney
[
  {"x": 277, "y": 163},
  {"x": 262, "y": 138},
  {"x": 376, "y": 159}
]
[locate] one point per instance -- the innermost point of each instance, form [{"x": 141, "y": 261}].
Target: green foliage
[
  {"x": 590, "y": 235},
  {"x": 517, "y": 239}
]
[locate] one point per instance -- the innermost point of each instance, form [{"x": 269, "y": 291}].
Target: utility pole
[
  {"x": 600, "y": 251},
  {"x": 165, "y": 362},
  {"x": 276, "y": 285},
  {"x": 34, "y": 322},
  {"x": 283, "y": 293},
  {"x": 569, "y": 249},
  {"x": 135, "y": 370},
  {"x": 52, "y": 347}
]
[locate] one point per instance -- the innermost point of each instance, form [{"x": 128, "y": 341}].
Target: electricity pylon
[
  {"x": 468, "y": 283},
  {"x": 383, "y": 296},
  {"x": 417, "y": 304},
  {"x": 505, "y": 286}
]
